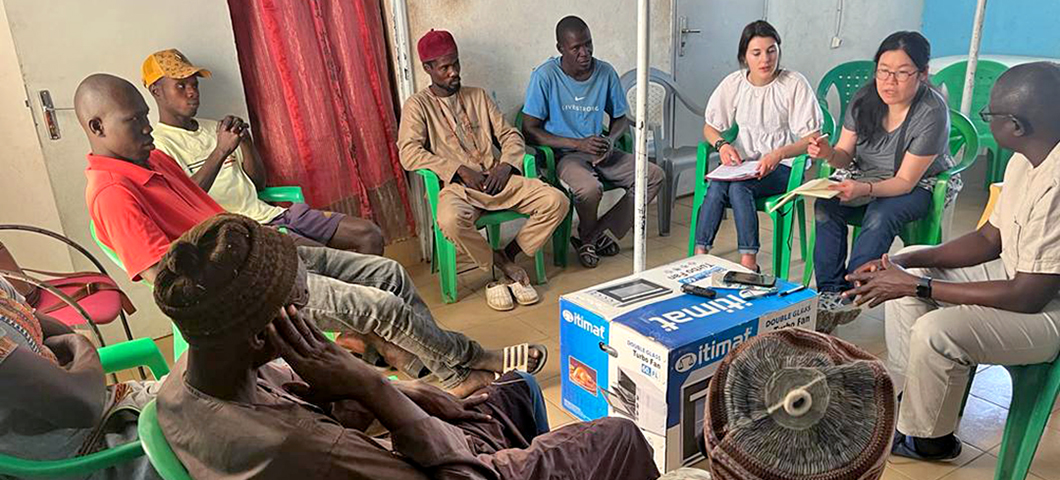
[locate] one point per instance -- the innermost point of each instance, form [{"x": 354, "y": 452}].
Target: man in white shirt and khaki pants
[{"x": 988, "y": 297}]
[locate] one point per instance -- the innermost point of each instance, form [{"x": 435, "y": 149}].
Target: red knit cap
[{"x": 435, "y": 44}]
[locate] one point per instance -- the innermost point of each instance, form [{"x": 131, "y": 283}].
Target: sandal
[
  {"x": 586, "y": 253},
  {"x": 524, "y": 294},
  {"x": 607, "y": 246},
  {"x": 498, "y": 297},
  {"x": 903, "y": 447},
  {"x": 517, "y": 357}
]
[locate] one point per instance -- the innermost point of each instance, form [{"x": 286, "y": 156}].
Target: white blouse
[{"x": 771, "y": 116}]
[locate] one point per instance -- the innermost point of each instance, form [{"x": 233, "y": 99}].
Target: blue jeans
[
  {"x": 540, "y": 414},
  {"x": 352, "y": 292},
  {"x": 741, "y": 197},
  {"x": 882, "y": 220}
]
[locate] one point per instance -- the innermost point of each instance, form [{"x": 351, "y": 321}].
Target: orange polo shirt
[{"x": 139, "y": 211}]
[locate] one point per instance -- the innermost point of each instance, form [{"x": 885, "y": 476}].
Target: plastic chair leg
[
  {"x": 967, "y": 391},
  {"x": 561, "y": 237},
  {"x": 807, "y": 272},
  {"x": 800, "y": 212},
  {"x": 1034, "y": 389},
  {"x": 782, "y": 237},
  {"x": 539, "y": 266},
  {"x": 446, "y": 253},
  {"x": 493, "y": 233}
]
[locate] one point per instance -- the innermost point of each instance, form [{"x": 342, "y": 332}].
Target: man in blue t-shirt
[{"x": 564, "y": 109}]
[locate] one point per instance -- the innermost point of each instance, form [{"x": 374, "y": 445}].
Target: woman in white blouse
[{"x": 777, "y": 115}]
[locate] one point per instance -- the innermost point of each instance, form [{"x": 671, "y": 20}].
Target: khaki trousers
[
  {"x": 459, "y": 208},
  {"x": 933, "y": 348}
]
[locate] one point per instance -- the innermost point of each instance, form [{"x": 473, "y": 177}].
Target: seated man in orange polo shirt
[{"x": 140, "y": 201}]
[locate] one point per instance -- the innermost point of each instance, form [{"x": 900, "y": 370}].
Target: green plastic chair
[
  {"x": 564, "y": 231},
  {"x": 1034, "y": 391},
  {"x": 927, "y": 230},
  {"x": 291, "y": 194},
  {"x": 157, "y": 448},
  {"x": 444, "y": 258},
  {"x": 782, "y": 218},
  {"x": 115, "y": 358},
  {"x": 847, "y": 78},
  {"x": 986, "y": 73}
]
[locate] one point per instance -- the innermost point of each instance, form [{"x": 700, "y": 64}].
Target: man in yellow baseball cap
[
  {"x": 169, "y": 63},
  {"x": 221, "y": 158}
]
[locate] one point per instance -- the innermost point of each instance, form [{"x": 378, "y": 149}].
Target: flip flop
[
  {"x": 498, "y": 297},
  {"x": 607, "y": 246},
  {"x": 587, "y": 255},
  {"x": 517, "y": 357},
  {"x": 903, "y": 447},
  {"x": 524, "y": 294}
]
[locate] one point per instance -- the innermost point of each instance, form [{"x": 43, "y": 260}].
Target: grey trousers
[
  {"x": 932, "y": 348},
  {"x": 584, "y": 179},
  {"x": 351, "y": 292}
]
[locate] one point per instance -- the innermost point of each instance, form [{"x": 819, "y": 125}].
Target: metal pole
[
  {"x": 973, "y": 58},
  {"x": 640, "y": 215}
]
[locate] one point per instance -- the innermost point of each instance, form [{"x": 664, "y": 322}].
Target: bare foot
[
  {"x": 477, "y": 380},
  {"x": 352, "y": 342},
  {"x": 701, "y": 251},
  {"x": 394, "y": 355},
  {"x": 510, "y": 269},
  {"x": 493, "y": 360}
]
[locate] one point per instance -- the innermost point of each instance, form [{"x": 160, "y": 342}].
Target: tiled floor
[{"x": 984, "y": 417}]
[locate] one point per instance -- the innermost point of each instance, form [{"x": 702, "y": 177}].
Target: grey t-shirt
[{"x": 927, "y": 133}]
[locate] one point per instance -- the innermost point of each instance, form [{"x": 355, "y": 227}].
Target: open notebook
[{"x": 817, "y": 188}]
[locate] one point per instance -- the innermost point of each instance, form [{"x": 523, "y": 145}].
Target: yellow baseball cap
[{"x": 169, "y": 63}]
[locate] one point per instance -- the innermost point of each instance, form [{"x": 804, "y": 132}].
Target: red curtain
[{"x": 318, "y": 88}]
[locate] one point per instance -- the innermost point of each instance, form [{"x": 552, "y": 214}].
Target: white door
[
  {"x": 60, "y": 43},
  {"x": 708, "y": 32}
]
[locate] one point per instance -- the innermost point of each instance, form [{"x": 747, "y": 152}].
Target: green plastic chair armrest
[
  {"x": 131, "y": 354},
  {"x": 157, "y": 447},
  {"x": 70, "y": 467},
  {"x": 291, "y": 194}
]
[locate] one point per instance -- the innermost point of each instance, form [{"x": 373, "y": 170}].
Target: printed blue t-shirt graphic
[{"x": 571, "y": 108}]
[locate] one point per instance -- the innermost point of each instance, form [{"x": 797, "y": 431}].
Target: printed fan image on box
[{"x": 650, "y": 350}]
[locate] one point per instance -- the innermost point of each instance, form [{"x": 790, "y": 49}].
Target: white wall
[
  {"x": 56, "y": 48},
  {"x": 806, "y": 28},
  {"x": 502, "y": 41}
]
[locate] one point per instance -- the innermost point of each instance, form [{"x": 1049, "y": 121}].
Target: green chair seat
[{"x": 115, "y": 358}]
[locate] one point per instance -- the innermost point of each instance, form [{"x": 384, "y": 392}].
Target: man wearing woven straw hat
[
  {"x": 450, "y": 130},
  {"x": 233, "y": 289},
  {"x": 140, "y": 201},
  {"x": 988, "y": 297},
  {"x": 222, "y": 159}
]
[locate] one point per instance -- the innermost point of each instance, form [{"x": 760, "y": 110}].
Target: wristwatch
[
  {"x": 923, "y": 287},
  {"x": 718, "y": 144}
]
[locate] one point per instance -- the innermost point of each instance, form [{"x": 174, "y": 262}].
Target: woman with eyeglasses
[
  {"x": 894, "y": 143},
  {"x": 778, "y": 116}
]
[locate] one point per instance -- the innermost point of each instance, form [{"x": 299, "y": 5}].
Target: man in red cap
[{"x": 450, "y": 130}]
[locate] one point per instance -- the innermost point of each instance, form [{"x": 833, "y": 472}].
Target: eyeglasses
[
  {"x": 987, "y": 115},
  {"x": 900, "y": 75}
]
